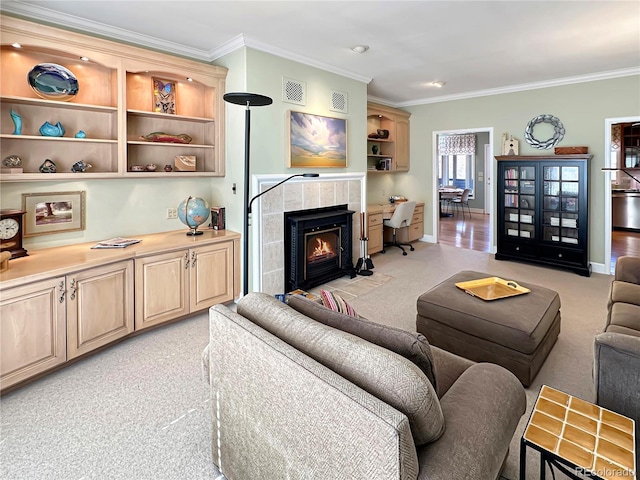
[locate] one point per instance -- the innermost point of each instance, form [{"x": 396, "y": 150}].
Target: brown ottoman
[{"x": 515, "y": 332}]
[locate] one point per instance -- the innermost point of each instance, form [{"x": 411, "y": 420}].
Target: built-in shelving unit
[
  {"x": 391, "y": 154},
  {"x": 114, "y": 107}
]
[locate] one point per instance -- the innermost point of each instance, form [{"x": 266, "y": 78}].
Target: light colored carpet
[{"x": 140, "y": 409}]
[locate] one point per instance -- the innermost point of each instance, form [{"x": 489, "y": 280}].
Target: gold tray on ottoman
[{"x": 492, "y": 288}]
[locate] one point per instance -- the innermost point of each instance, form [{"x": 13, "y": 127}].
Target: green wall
[{"x": 582, "y": 108}]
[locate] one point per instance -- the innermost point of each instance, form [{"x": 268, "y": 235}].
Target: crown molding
[
  {"x": 524, "y": 87},
  {"x": 279, "y": 52},
  {"x": 51, "y": 17},
  {"x": 57, "y": 19}
]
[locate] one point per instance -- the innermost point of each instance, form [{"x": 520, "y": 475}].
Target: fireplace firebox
[{"x": 318, "y": 245}]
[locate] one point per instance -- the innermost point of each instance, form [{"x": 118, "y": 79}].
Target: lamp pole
[{"x": 250, "y": 100}]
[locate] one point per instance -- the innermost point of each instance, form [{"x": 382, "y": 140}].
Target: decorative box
[
  {"x": 185, "y": 163},
  {"x": 570, "y": 150}
]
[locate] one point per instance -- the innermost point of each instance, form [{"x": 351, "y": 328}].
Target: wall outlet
[{"x": 172, "y": 213}]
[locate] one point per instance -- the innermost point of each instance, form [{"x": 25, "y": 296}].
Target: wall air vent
[
  {"x": 338, "y": 102},
  {"x": 294, "y": 91}
]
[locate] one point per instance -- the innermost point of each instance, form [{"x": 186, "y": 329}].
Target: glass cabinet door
[
  {"x": 519, "y": 201},
  {"x": 560, "y": 204}
]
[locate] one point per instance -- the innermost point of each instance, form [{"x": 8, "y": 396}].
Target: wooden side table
[{"x": 569, "y": 432}]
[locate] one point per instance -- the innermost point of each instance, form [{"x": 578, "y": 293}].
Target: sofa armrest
[
  {"x": 448, "y": 367},
  {"x": 617, "y": 373},
  {"x": 277, "y": 413},
  {"x": 482, "y": 410},
  {"x": 628, "y": 269}
]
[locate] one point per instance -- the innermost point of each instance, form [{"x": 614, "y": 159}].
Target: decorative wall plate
[
  {"x": 53, "y": 82},
  {"x": 558, "y": 132}
]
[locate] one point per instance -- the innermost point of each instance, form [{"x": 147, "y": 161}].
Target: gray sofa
[
  {"x": 296, "y": 398},
  {"x": 617, "y": 349}
]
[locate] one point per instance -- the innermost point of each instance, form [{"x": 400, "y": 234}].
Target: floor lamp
[{"x": 249, "y": 100}]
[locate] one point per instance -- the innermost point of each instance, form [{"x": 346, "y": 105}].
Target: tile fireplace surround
[{"x": 267, "y": 218}]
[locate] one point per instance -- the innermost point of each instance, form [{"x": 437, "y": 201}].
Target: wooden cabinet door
[
  {"x": 161, "y": 288},
  {"x": 32, "y": 330},
  {"x": 402, "y": 145},
  {"x": 211, "y": 275},
  {"x": 99, "y": 306},
  {"x": 374, "y": 233}
]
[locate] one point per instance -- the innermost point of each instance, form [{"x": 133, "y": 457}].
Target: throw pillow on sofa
[
  {"x": 381, "y": 372},
  {"x": 337, "y": 303},
  {"x": 411, "y": 345}
]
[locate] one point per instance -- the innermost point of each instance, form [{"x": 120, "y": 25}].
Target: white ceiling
[{"x": 476, "y": 47}]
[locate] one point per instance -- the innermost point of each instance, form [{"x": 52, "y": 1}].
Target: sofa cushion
[
  {"x": 624, "y": 318},
  {"x": 381, "y": 372},
  {"x": 336, "y": 303},
  {"x": 625, "y": 292},
  {"x": 411, "y": 345}
]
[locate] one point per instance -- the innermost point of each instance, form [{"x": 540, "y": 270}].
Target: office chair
[
  {"x": 462, "y": 201},
  {"x": 401, "y": 218}
]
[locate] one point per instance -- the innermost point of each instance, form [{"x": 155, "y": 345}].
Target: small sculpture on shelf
[
  {"x": 168, "y": 168},
  {"x": 12, "y": 161},
  {"x": 17, "y": 122},
  {"x": 80, "y": 134},
  {"x": 162, "y": 137},
  {"x": 151, "y": 167},
  {"x": 48, "y": 167},
  {"x": 80, "y": 166},
  {"x": 49, "y": 130}
]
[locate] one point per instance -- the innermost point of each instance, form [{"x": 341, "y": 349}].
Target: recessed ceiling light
[
  {"x": 84, "y": 59},
  {"x": 189, "y": 79},
  {"x": 16, "y": 45},
  {"x": 360, "y": 48},
  {"x": 438, "y": 84}
]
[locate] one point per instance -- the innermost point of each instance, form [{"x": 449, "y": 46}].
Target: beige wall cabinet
[
  {"x": 33, "y": 333},
  {"x": 46, "y": 323},
  {"x": 114, "y": 106},
  {"x": 99, "y": 307},
  {"x": 174, "y": 284},
  {"x": 375, "y": 232},
  {"x": 63, "y": 302},
  {"x": 389, "y": 154}
]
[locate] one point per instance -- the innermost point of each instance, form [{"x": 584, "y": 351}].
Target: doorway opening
[
  {"x": 464, "y": 169},
  {"x": 622, "y": 192}
]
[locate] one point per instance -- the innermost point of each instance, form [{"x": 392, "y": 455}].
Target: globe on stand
[{"x": 193, "y": 212}]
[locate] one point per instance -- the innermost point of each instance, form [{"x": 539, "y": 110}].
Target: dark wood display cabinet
[{"x": 543, "y": 213}]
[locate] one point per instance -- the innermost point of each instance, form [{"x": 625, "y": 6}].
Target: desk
[
  {"x": 448, "y": 193},
  {"x": 378, "y": 212}
]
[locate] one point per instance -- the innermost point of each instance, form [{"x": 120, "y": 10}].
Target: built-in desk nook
[
  {"x": 57, "y": 304},
  {"x": 377, "y": 212}
]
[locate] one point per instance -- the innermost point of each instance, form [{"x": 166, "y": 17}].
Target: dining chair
[
  {"x": 401, "y": 217},
  {"x": 462, "y": 201}
]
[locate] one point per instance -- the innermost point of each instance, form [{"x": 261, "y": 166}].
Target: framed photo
[
  {"x": 53, "y": 212},
  {"x": 317, "y": 141},
  {"x": 164, "y": 96}
]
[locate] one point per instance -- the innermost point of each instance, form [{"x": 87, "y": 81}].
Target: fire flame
[{"x": 322, "y": 248}]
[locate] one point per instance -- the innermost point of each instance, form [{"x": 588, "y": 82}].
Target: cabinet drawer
[
  {"x": 563, "y": 255},
  {"x": 518, "y": 249},
  {"x": 375, "y": 219},
  {"x": 419, "y": 209}
]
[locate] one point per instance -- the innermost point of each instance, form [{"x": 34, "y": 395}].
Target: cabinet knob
[
  {"x": 559, "y": 255},
  {"x": 193, "y": 259},
  {"x": 186, "y": 260},
  {"x": 517, "y": 249}
]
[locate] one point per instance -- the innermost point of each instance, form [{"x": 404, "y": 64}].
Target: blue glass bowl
[{"x": 53, "y": 82}]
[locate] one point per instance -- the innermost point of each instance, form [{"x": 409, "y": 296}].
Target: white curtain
[{"x": 457, "y": 144}]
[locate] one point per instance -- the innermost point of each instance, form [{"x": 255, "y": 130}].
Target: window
[
  {"x": 458, "y": 170},
  {"x": 456, "y": 165}
]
